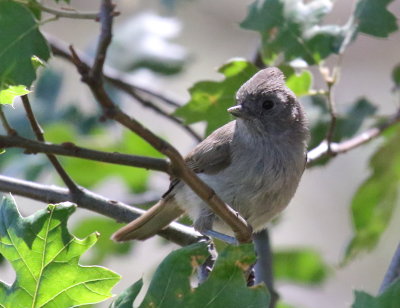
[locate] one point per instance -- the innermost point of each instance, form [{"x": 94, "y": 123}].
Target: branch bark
[
  {"x": 71, "y": 150},
  {"x": 177, "y": 233}
]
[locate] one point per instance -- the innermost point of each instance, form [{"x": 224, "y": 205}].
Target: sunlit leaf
[
  {"x": 390, "y": 298},
  {"x": 299, "y": 83},
  {"x": 300, "y": 265},
  {"x": 45, "y": 257},
  {"x": 373, "y": 203},
  {"x": 210, "y": 99},
  {"x": 8, "y": 95},
  {"x": 170, "y": 286}
]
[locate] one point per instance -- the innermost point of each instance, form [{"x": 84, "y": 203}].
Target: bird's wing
[
  {"x": 214, "y": 153},
  {"x": 211, "y": 155}
]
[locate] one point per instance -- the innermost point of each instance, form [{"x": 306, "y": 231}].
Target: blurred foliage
[
  {"x": 105, "y": 247},
  {"x": 170, "y": 285},
  {"x": 303, "y": 266},
  {"x": 390, "y": 298},
  {"x": 373, "y": 204},
  {"x": 295, "y": 30},
  {"x": 45, "y": 258},
  {"x": 152, "y": 37}
]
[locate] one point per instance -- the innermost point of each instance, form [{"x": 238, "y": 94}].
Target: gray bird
[{"x": 253, "y": 163}]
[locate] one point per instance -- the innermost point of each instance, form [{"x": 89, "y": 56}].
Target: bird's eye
[{"x": 268, "y": 104}]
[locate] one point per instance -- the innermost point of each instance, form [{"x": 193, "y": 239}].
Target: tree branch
[
  {"x": 393, "y": 272},
  {"x": 66, "y": 13},
  {"x": 38, "y": 131},
  {"x": 71, "y": 150},
  {"x": 239, "y": 226},
  {"x": 177, "y": 233},
  {"x": 264, "y": 271},
  {"x": 322, "y": 149},
  {"x": 119, "y": 80}
]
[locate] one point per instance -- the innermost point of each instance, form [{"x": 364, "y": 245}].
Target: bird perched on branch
[{"x": 253, "y": 163}]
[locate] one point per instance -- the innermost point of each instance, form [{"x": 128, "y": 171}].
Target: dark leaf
[
  {"x": 372, "y": 17},
  {"x": 20, "y": 41}
]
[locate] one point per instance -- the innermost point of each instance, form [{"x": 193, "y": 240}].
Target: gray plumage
[{"x": 253, "y": 163}]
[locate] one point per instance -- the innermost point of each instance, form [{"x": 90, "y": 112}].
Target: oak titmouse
[{"x": 253, "y": 163}]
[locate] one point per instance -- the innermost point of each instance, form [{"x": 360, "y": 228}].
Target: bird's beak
[{"x": 236, "y": 111}]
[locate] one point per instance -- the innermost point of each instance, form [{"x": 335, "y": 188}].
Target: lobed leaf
[{"x": 45, "y": 258}]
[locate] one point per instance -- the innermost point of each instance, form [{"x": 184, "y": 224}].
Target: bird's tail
[{"x": 155, "y": 219}]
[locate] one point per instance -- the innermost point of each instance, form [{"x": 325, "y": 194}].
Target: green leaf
[
  {"x": 19, "y": 43},
  {"x": 300, "y": 266},
  {"x": 210, "y": 99},
  {"x": 8, "y": 95},
  {"x": 299, "y": 83},
  {"x": 388, "y": 299},
  {"x": 126, "y": 298},
  {"x": 45, "y": 257},
  {"x": 293, "y": 29},
  {"x": 373, "y": 203},
  {"x": 225, "y": 287},
  {"x": 104, "y": 246},
  {"x": 373, "y": 18}
]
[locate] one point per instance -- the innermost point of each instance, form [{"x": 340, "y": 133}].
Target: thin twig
[
  {"x": 322, "y": 151},
  {"x": 9, "y": 130},
  {"x": 106, "y": 17},
  {"x": 38, "y": 131},
  {"x": 146, "y": 103},
  {"x": 239, "y": 226},
  {"x": 175, "y": 232},
  {"x": 330, "y": 82},
  {"x": 121, "y": 81},
  {"x": 71, "y": 150},
  {"x": 65, "y": 13},
  {"x": 393, "y": 272}
]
